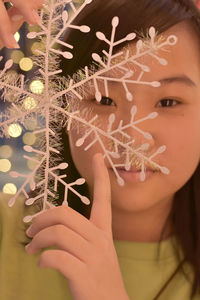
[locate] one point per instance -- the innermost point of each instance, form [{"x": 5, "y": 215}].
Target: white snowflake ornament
[{"x": 49, "y": 108}]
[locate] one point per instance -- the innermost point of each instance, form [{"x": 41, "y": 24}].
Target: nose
[
  {"x": 137, "y": 131},
  {"x": 138, "y": 148},
  {"x": 136, "y": 141},
  {"x": 140, "y": 137}
]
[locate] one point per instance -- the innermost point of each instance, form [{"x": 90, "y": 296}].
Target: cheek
[
  {"x": 91, "y": 143},
  {"x": 181, "y": 134},
  {"x": 186, "y": 140},
  {"x": 183, "y": 150}
]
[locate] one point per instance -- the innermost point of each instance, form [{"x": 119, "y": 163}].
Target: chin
[{"x": 133, "y": 203}]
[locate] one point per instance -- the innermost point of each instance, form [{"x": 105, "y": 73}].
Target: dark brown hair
[{"x": 138, "y": 16}]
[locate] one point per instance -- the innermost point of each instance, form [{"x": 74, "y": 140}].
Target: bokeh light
[
  {"x": 5, "y": 165},
  {"x": 34, "y": 28},
  {"x": 16, "y": 56},
  {"x": 37, "y": 87},
  {"x": 37, "y": 46},
  {"x": 30, "y": 124},
  {"x": 12, "y": 73},
  {"x": 29, "y": 138},
  {"x": 14, "y": 130},
  {"x": 10, "y": 188},
  {"x": 17, "y": 36},
  {"x": 26, "y": 64},
  {"x": 30, "y": 103},
  {"x": 31, "y": 164},
  {"x": 6, "y": 151}
]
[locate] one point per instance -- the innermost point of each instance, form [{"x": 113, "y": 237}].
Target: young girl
[{"x": 111, "y": 252}]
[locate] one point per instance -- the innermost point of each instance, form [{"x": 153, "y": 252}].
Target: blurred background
[{"x": 11, "y": 148}]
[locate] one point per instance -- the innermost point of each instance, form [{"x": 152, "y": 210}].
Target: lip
[
  {"x": 134, "y": 175},
  {"x": 134, "y": 169}
]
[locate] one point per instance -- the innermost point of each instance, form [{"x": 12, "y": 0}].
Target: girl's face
[{"x": 177, "y": 125}]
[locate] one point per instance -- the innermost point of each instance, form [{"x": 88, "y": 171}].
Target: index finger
[
  {"x": 101, "y": 213},
  {"x": 12, "y": 19},
  {"x": 5, "y": 27},
  {"x": 29, "y": 9}
]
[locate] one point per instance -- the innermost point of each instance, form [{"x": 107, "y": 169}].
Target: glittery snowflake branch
[
  {"x": 130, "y": 151},
  {"x": 142, "y": 49},
  {"x": 54, "y": 111},
  {"x": 124, "y": 79},
  {"x": 44, "y": 155},
  {"x": 53, "y": 11}
]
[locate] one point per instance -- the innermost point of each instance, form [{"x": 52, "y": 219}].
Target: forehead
[{"x": 183, "y": 58}]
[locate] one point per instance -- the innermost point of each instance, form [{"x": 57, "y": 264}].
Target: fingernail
[
  {"x": 36, "y": 17},
  {"x": 16, "y": 18},
  {"x": 27, "y": 247},
  {"x": 29, "y": 231},
  {"x": 11, "y": 42}
]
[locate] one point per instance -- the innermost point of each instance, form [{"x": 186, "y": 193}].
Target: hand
[
  {"x": 87, "y": 257},
  {"x": 198, "y": 3},
  {"x": 12, "y": 19}
]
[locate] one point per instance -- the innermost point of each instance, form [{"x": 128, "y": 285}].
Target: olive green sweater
[{"x": 22, "y": 279}]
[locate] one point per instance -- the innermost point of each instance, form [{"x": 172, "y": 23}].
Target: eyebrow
[
  {"x": 179, "y": 79},
  {"x": 169, "y": 80}
]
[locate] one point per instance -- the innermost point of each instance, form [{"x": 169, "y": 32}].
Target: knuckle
[
  {"x": 59, "y": 230},
  {"x": 105, "y": 242},
  {"x": 44, "y": 257}
]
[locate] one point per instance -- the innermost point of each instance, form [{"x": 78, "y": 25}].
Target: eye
[
  {"x": 106, "y": 101},
  {"x": 168, "y": 103}
]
